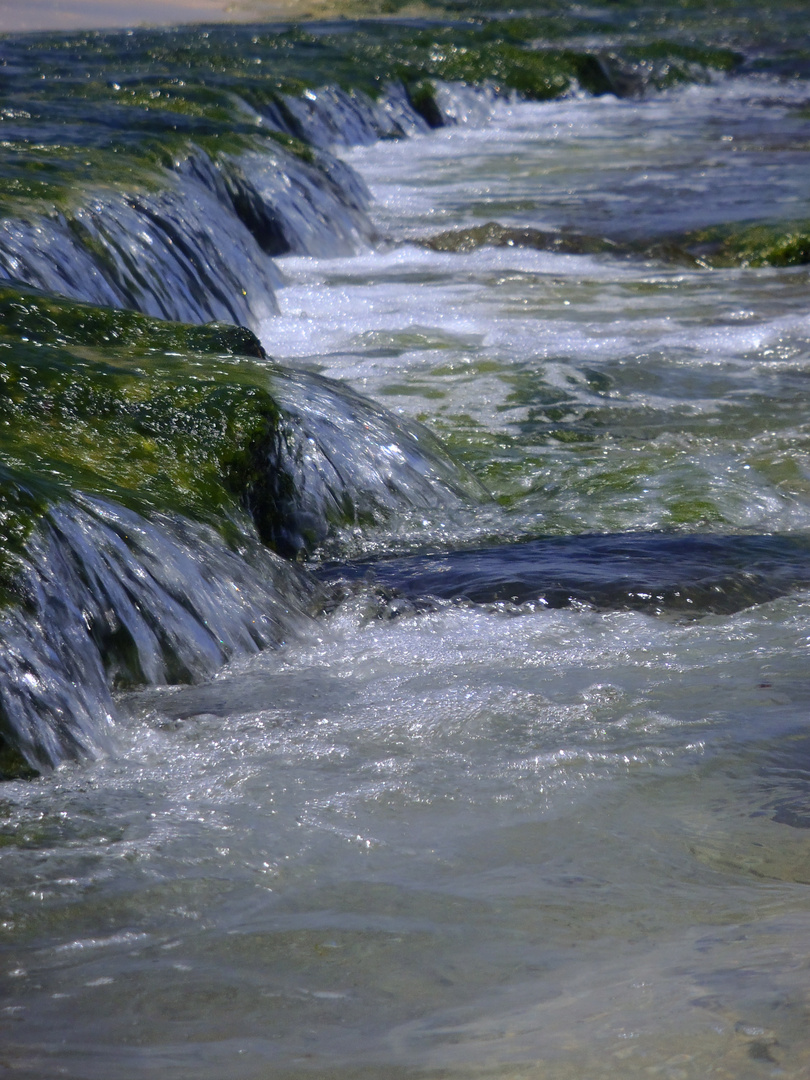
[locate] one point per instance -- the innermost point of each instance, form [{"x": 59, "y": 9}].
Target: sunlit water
[{"x": 482, "y": 842}]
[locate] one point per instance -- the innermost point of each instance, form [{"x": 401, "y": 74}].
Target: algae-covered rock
[
  {"x": 719, "y": 246},
  {"x": 106, "y": 403},
  {"x": 751, "y": 244},
  {"x": 36, "y": 316},
  {"x": 167, "y": 436},
  {"x": 148, "y": 467},
  {"x": 494, "y": 235},
  {"x": 422, "y": 96}
]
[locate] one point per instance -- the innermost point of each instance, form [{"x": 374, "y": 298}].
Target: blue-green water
[{"x": 430, "y": 824}]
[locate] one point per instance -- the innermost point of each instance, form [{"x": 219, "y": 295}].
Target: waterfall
[
  {"x": 161, "y": 174},
  {"x": 109, "y": 598},
  {"x": 99, "y": 595}
]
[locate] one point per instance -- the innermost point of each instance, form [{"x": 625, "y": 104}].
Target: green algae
[
  {"x": 160, "y": 417},
  {"x": 35, "y": 316},
  {"x": 155, "y": 94},
  {"x": 24, "y": 497},
  {"x": 156, "y": 441},
  {"x": 198, "y": 102},
  {"x": 203, "y": 74},
  {"x": 47, "y": 177},
  {"x": 492, "y": 234},
  {"x": 750, "y": 244},
  {"x": 695, "y": 512},
  {"x": 295, "y": 146},
  {"x": 13, "y": 766},
  {"x": 675, "y": 62},
  {"x": 477, "y": 55}
]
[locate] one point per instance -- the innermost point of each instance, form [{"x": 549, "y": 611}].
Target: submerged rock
[
  {"x": 743, "y": 244},
  {"x": 653, "y": 572},
  {"x": 750, "y": 244},
  {"x": 493, "y": 234}
]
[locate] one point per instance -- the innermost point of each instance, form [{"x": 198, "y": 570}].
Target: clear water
[
  {"x": 622, "y": 393},
  {"x": 474, "y": 842}
]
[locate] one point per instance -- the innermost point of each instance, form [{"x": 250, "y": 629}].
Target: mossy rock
[
  {"x": 747, "y": 244},
  {"x": 35, "y": 316},
  {"x": 422, "y": 96},
  {"x": 157, "y": 416},
  {"x": 13, "y": 766},
  {"x": 176, "y": 438},
  {"x": 493, "y": 234}
]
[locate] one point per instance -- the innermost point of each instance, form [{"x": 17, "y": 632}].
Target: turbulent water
[{"x": 497, "y": 764}]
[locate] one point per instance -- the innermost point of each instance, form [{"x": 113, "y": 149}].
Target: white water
[
  {"x": 693, "y": 375},
  {"x": 554, "y": 844}
]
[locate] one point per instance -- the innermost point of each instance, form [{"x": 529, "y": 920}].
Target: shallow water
[
  {"x": 622, "y": 391},
  {"x": 466, "y": 841}
]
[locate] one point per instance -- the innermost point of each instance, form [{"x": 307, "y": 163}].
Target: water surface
[{"x": 492, "y": 839}]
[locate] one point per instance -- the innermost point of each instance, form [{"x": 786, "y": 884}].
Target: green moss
[
  {"x": 161, "y": 95},
  {"x": 153, "y": 440},
  {"x": 155, "y": 416},
  {"x": 23, "y": 499},
  {"x": 784, "y": 244},
  {"x": 294, "y": 146},
  {"x": 678, "y": 54},
  {"x": 44, "y": 177},
  {"x": 494, "y": 235},
  {"x": 31, "y": 315},
  {"x": 422, "y": 96},
  {"x": 693, "y": 512},
  {"x": 536, "y": 74}
]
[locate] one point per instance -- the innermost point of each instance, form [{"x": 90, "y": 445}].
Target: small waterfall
[
  {"x": 169, "y": 196},
  {"x": 460, "y": 103},
  {"x": 343, "y": 461},
  {"x": 99, "y": 596},
  {"x": 110, "y": 599},
  {"x": 289, "y": 205},
  {"x": 43, "y": 252},
  {"x": 331, "y": 116},
  {"x": 178, "y": 253}
]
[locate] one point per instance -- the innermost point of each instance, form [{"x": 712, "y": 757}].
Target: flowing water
[{"x": 474, "y": 798}]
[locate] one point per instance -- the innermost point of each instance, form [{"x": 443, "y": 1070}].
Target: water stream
[{"x": 481, "y": 789}]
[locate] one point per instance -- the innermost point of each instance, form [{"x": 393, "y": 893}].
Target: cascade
[
  {"x": 145, "y": 565},
  {"x": 404, "y": 568},
  {"x": 105, "y": 594},
  {"x": 101, "y": 595}
]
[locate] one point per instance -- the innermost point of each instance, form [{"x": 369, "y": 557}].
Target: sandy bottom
[{"x": 96, "y": 14}]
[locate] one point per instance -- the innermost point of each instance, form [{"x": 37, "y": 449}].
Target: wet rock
[{"x": 492, "y": 234}]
